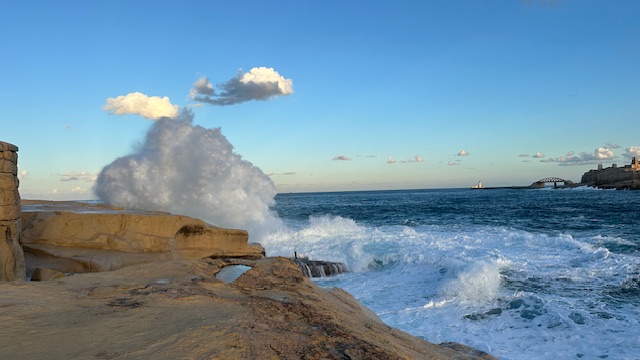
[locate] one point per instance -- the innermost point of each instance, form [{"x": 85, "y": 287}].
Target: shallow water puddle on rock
[{"x": 230, "y": 273}]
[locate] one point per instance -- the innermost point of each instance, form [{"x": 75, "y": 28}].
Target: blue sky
[{"x": 386, "y": 94}]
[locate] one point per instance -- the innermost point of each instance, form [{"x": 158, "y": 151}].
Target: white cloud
[
  {"x": 390, "y": 160},
  {"x": 77, "y": 176},
  {"x": 341, "y": 158},
  {"x": 260, "y": 83},
  {"x": 451, "y": 163},
  {"x": 611, "y": 145},
  {"x": 23, "y": 175},
  {"x": 78, "y": 190},
  {"x": 136, "y": 103},
  {"x": 416, "y": 158},
  {"x": 288, "y": 173},
  {"x": 538, "y": 155},
  {"x": 583, "y": 158},
  {"x": 463, "y": 153},
  {"x": 631, "y": 152}
]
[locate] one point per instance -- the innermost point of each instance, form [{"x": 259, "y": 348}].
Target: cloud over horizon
[
  {"x": 137, "y": 103},
  {"x": 582, "y": 158},
  {"x": 415, "y": 159},
  {"x": 23, "y": 175},
  {"x": 77, "y": 176},
  {"x": 463, "y": 152},
  {"x": 631, "y": 151},
  {"x": 260, "y": 83},
  {"x": 341, "y": 158}
]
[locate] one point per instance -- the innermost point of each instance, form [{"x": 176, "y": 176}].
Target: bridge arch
[{"x": 552, "y": 179}]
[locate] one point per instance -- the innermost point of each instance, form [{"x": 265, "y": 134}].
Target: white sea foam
[
  {"x": 479, "y": 282},
  {"x": 515, "y": 294},
  {"x": 324, "y": 238}
]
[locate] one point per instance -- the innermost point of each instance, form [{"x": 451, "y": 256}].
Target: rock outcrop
[
  {"x": 73, "y": 237},
  {"x": 12, "y": 265},
  {"x": 319, "y": 268},
  {"x": 180, "y": 310}
]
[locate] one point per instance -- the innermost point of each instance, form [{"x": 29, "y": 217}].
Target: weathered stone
[
  {"x": 78, "y": 260},
  {"x": 8, "y": 167},
  {"x": 10, "y": 156},
  {"x": 8, "y": 147},
  {"x": 44, "y": 274},
  {"x": 80, "y": 237},
  {"x": 12, "y": 263},
  {"x": 8, "y": 181},
  {"x": 180, "y": 310},
  {"x": 198, "y": 242},
  {"x": 9, "y": 212},
  {"x": 10, "y": 197}
]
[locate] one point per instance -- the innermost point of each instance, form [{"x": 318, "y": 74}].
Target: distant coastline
[{"x": 613, "y": 177}]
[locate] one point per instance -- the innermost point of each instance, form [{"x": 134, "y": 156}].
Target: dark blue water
[
  {"x": 578, "y": 212},
  {"x": 523, "y": 274}
]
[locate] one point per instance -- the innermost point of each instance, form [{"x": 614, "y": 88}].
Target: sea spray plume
[
  {"x": 186, "y": 169},
  {"x": 259, "y": 83}
]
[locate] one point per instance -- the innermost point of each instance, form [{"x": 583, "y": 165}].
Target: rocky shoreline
[
  {"x": 120, "y": 286},
  {"x": 90, "y": 281},
  {"x": 179, "y": 309}
]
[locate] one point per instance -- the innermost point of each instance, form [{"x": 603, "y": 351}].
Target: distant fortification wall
[
  {"x": 12, "y": 266},
  {"x": 614, "y": 177}
]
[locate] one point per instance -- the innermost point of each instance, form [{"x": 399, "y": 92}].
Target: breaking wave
[{"x": 187, "y": 169}]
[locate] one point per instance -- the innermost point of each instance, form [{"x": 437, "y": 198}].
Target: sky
[{"x": 326, "y": 95}]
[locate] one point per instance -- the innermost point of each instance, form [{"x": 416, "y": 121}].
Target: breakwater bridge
[
  {"x": 536, "y": 185},
  {"x": 555, "y": 180}
]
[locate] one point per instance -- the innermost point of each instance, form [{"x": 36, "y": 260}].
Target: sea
[{"x": 521, "y": 274}]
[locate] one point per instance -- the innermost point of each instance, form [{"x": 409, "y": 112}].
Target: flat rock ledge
[
  {"x": 76, "y": 237},
  {"x": 179, "y": 309}
]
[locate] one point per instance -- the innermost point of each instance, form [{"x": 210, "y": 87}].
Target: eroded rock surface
[
  {"x": 73, "y": 237},
  {"x": 179, "y": 309},
  {"x": 12, "y": 265}
]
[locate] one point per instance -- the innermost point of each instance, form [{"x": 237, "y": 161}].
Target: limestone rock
[
  {"x": 44, "y": 274},
  {"x": 180, "y": 310},
  {"x": 197, "y": 242},
  {"x": 12, "y": 265},
  {"x": 78, "y": 260},
  {"x": 81, "y": 237}
]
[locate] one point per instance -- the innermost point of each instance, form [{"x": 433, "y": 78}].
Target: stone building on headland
[{"x": 614, "y": 177}]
